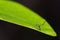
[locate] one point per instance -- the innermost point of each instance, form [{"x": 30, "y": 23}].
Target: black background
[{"x": 49, "y": 9}]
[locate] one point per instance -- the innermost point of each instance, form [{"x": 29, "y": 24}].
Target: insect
[
  {"x": 19, "y": 14},
  {"x": 38, "y": 26}
]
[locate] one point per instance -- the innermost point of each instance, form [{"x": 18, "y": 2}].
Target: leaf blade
[{"x": 21, "y": 15}]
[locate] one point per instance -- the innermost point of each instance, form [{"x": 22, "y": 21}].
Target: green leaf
[{"x": 18, "y": 14}]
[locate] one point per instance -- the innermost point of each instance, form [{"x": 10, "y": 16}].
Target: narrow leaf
[{"x": 18, "y": 14}]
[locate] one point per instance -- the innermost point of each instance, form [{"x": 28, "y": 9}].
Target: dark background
[{"x": 49, "y": 9}]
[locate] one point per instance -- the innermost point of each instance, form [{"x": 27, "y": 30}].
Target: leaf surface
[{"x": 19, "y": 14}]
